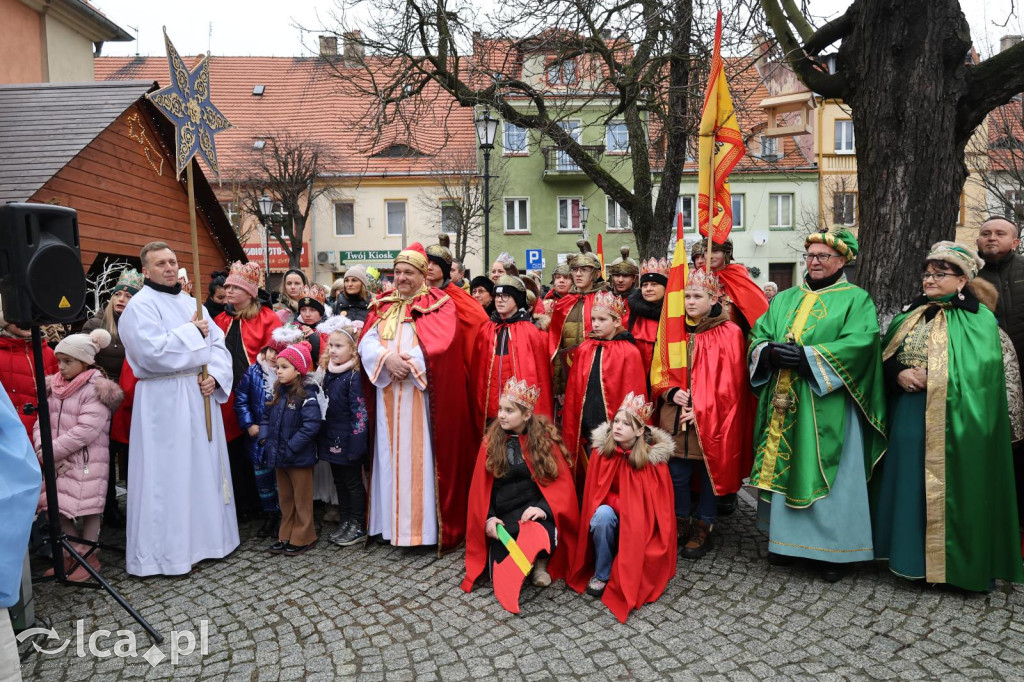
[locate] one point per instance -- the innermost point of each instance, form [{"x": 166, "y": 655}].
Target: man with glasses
[
  {"x": 815, "y": 363},
  {"x": 570, "y": 321}
]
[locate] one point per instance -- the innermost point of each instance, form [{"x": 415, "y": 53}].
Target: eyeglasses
[
  {"x": 820, "y": 257},
  {"x": 937, "y": 276}
]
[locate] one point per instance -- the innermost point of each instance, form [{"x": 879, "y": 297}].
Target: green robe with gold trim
[
  {"x": 798, "y": 436},
  {"x": 946, "y": 488}
]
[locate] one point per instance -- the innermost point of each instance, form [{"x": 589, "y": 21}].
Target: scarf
[
  {"x": 62, "y": 388},
  {"x": 342, "y": 368},
  {"x": 387, "y": 325},
  {"x": 174, "y": 291}
]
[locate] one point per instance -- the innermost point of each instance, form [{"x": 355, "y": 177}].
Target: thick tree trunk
[{"x": 904, "y": 66}]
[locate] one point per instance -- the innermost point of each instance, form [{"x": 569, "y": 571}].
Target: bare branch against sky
[{"x": 271, "y": 27}]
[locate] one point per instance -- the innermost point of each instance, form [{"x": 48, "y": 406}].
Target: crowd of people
[{"x": 441, "y": 411}]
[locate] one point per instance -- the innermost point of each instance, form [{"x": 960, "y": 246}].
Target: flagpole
[
  {"x": 196, "y": 282},
  {"x": 711, "y": 206}
]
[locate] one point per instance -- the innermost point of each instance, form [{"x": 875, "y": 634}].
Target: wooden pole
[
  {"x": 196, "y": 280},
  {"x": 711, "y": 207}
]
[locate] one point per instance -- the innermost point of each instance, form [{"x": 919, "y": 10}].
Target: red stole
[
  {"x": 646, "y": 556},
  {"x": 121, "y": 422},
  {"x": 622, "y": 372},
  {"x": 560, "y": 495},
  {"x": 724, "y": 404},
  {"x": 454, "y": 435},
  {"x": 526, "y": 360},
  {"x": 255, "y": 335},
  {"x": 645, "y": 333},
  {"x": 743, "y": 292}
]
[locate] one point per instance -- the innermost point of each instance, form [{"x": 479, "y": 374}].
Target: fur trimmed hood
[
  {"x": 109, "y": 393},
  {"x": 661, "y": 443}
]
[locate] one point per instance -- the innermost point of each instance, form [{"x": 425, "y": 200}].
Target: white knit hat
[{"x": 84, "y": 346}]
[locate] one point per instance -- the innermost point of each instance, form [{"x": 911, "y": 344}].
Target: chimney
[
  {"x": 353, "y": 50},
  {"x": 1006, "y": 42},
  {"x": 328, "y": 46}
]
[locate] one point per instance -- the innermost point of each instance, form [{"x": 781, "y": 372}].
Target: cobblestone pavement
[{"x": 398, "y": 614}]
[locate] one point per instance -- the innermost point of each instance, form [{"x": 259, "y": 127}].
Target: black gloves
[{"x": 785, "y": 355}]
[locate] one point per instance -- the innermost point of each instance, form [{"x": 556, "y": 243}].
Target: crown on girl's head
[
  {"x": 606, "y": 300},
  {"x": 250, "y": 271},
  {"x": 702, "y": 279},
  {"x": 654, "y": 266},
  {"x": 521, "y": 393},
  {"x": 637, "y": 407}
]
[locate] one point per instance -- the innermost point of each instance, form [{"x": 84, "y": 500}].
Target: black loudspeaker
[{"x": 41, "y": 276}]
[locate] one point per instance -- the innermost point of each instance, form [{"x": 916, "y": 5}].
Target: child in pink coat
[{"x": 81, "y": 400}]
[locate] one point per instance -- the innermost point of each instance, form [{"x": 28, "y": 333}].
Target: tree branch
[
  {"x": 839, "y": 27},
  {"x": 810, "y": 73},
  {"x": 798, "y": 20},
  {"x": 990, "y": 84}
]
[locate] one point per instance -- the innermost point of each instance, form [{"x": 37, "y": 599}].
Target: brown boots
[
  {"x": 540, "y": 576},
  {"x": 700, "y": 541}
]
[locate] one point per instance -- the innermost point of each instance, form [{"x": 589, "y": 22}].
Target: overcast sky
[{"x": 269, "y": 27}]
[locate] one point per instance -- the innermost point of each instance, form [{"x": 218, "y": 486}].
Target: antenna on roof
[
  {"x": 135, "y": 28},
  {"x": 209, "y": 38}
]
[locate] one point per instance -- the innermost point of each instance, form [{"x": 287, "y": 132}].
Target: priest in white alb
[
  {"x": 180, "y": 508},
  {"x": 423, "y": 455}
]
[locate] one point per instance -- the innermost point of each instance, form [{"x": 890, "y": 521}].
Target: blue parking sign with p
[{"x": 534, "y": 259}]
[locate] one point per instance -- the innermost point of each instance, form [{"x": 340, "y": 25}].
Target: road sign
[{"x": 534, "y": 259}]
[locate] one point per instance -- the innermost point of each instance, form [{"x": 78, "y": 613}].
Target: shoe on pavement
[
  {"x": 296, "y": 550},
  {"x": 353, "y": 534},
  {"x": 700, "y": 542},
  {"x": 278, "y": 547},
  {"x": 540, "y": 576},
  {"x": 595, "y": 588}
]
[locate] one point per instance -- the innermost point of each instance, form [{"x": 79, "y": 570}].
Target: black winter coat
[
  {"x": 343, "y": 436},
  {"x": 288, "y": 431},
  {"x": 355, "y": 309}
]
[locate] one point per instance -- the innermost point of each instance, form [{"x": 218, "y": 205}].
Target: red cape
[
  {"x": 724, "y": 405},
  {"x": 255, "y": 334},
  {"x": 454, "y": 436},
  {"x": 646, "y": 556},
  {"x": 645, "y": 333},
  {"x": 527, "y": 360},
  {"x": 743, "y": 291},
  {"x": 560, "y": 495},
  {"x": 622, "y": 372},
  {"x": 471, "y": 316},
  {"x": 121, "y": 422},
  {"x": 563, "y": 306}
]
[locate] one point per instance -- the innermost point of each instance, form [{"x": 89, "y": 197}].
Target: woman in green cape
[{"x": 944, "y": 503}]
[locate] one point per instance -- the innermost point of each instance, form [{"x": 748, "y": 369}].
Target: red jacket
[{"x": 17, "y": 374}]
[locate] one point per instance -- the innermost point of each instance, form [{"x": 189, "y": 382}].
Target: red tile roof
[{"x": 306, "y": 97}]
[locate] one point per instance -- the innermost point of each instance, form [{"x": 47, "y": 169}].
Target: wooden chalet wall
[{"x": 123, "y": 202}]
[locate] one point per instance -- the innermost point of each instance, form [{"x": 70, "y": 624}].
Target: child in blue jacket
[
  {"x": 255, "y": 389},
  {"x": 288, "y": 434},
  {"x": 343, "y": 438}
]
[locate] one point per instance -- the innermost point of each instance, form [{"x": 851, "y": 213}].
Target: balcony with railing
[{"x": 558, "y": 165}]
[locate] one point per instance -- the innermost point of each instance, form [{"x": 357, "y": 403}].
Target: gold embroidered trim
[{"x": 935, "y": 450}]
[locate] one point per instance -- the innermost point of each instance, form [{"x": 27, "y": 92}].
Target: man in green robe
[{"x": 815, "y": 363}]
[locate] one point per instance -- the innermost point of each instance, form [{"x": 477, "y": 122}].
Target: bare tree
[
  {"x": 101, "y": 284},
  {"x": 997, "y": 155},
  {"x": 458, "y": 201},
  {"x": 905, "y": 70},
  {"x": 285, "y": 170},
  {"x": 539, "y": 64}
]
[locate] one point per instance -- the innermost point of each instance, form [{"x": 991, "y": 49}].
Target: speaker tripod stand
[{"x": 61, "y": 542}]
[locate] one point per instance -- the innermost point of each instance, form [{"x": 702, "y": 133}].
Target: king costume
[
  {"x": 425, "y": 443},
  {"x": 820, "y": 426},
  {"x": 180, "y": 507}
]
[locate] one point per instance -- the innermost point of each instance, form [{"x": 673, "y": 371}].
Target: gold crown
[
  {"x": 521, "y": 393},
  {"x": 637, "y": 407},
  {"x": 654, "y": 266},
  {"x": 606, "y": 300},
  {"x": 249, "y": 271},
  {"x": 315, "y": 291},
  {"x": 702, "y": 279}
]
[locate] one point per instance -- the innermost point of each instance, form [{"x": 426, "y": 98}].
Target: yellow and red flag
[
  {"x": 668, "y": 366},
  {"x": 600, "y": 253},
  {"x": 721, "y": 148}
]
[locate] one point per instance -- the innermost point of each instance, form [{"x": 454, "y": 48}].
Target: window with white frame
[
  {"x": 569, "y": 214},
  {"x": 517, "y": 215},
  {"x": 844, "y": 137},
  {"x": 513, "y": 139},
  {"x": 451, "y": 217},
  {"x": 562, "y": 72},
  {"x": 344, "y": 219},
  {"x": 616, "y": 138},
  {"x": 780, "y": 211},
  {"x": 844, "y": 208},
  {"x": 395, "y": 211},
  {"x": 737, "y": 211},
  {"x": 618, "y": 219},
  {"x": 769, "y": 148},
  {"x": 685, "y": 204},
  {"x": 1013, "y": 204}
]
